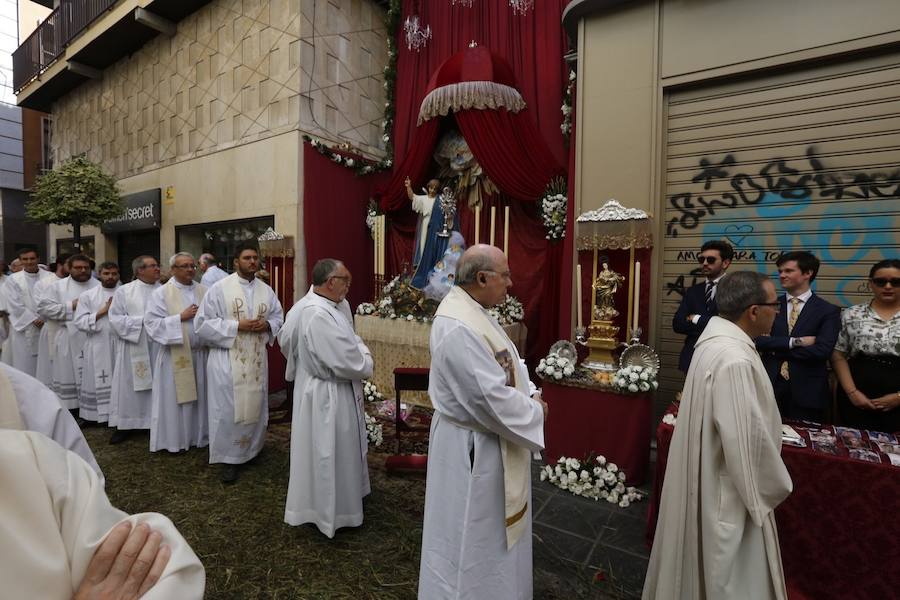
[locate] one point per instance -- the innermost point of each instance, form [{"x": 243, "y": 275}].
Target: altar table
[
  {"x": 839, "y": 529},
  {"x": 583, "y": 421},
  {"x": 399, "y": 343}
]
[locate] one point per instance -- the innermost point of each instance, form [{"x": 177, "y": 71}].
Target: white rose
[
  {"x": 551, "y": 360},
  {"x": 654, "y": 384},
  {"x": 645, "y": 387},
  {"x": 620, "y": 488},
  {"x": 543, "y": 475},
  {"x": 612, "y": 468},
  {"x": 350, "y": 162},
  {"x": 597, "y": 471},
  {"x": 632, "y": 376},
  {"x": 613, "y": 498},
  {"x": 601, "y": 460},
  {"x": 568, "y": 370},
  {"x": 585, "y": 476},
  {"x": 571, "y": 476},
  {"x": 557, "y": 375},
  {"x": 645, "y": 376},
  {"x": 624, "y": 503},
  {"x": 632, "y": 388}
]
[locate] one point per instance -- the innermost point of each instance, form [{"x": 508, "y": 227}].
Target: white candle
[
  {"x": 578, "y": 294},
  {"x": 375, "y": 245},
  {"x": 477, "y": 224},
  {"x": 637, "y": 293},
  {"x": 381, "y": 239},
  {"x": 493, "y": 223},
  {"x": 506, "y": 230}
]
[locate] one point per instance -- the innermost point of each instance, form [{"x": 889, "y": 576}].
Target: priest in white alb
[
  {"x": 179, "y": 417},
  {"x": 27, "y": 404},
  {"x": 329, "y": 474},
  {"x": 43, "y": 289},
  {"x": 476, "y": 536},
  {"x": 63, "y": 540},
  {"x": 24, "y": 321},
  {"x": 66, "y": 342},
  {"x": 716, "y": 535},
  {"x": 130, "y": 401},
  {"x": 100, "y": 345},
  {"x": 238, "y": 316}
]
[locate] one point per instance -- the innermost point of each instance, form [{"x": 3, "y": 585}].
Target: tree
[{"x": 77, "y": 193}]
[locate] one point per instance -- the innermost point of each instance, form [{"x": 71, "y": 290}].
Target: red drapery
[{"x": 334, "y": 220}]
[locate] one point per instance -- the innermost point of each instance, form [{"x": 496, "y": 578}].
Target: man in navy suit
[
  {"x": 803, "y": 335},
  {"x": 699, "y": 301}
]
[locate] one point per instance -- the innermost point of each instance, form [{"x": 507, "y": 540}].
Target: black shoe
[
  {"x": 119, "y": 436},
  {"x": 229, "y": 473}
]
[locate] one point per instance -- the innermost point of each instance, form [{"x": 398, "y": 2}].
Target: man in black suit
[
  {"x": 803, "y": 335},
  {"x": 699, "y": 301}
]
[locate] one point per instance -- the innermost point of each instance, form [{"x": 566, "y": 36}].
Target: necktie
[
  {"x": 792, "y": 320},
  {"x": 710, "y": 286}
]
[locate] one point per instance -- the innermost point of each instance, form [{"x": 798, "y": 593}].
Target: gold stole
[
  {"x": 182, "y": 361},
  {"x": 9, "y": 408},
  {"x": 248, "y": 354},
  {"x": 516, "y": 459}
]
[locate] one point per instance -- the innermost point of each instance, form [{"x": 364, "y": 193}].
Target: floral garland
[
  {"x": 554, "y": 205},
  {"x": 635, "y": 379},
  {"x": 362, "y": 166},
  {"x": 509, "y": 311},
  {"x": 566, "y": 108},
  {"x": 595, "y": 478},
  {"x": 372, "y": 211}
]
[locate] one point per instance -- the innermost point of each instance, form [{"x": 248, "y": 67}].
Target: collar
[
  {"x": 716, "y": 280},
  {"x": 325, "y": 298},
  {"x": 719, "y": 327},
  {"x": 243, "y": 281},
  {"x": 182, "y": 286},
  {"x": 804, "y": 297}
]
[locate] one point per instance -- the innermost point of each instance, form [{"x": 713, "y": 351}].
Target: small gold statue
[{"x": 605, "y": 287}]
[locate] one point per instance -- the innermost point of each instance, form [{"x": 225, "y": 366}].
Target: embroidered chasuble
[
  {"x": 182, "y": 361},
  {"x": 516, "y": 459},
  {"x": 140, "y": 352},
  {"x": 247, "y": 354}
]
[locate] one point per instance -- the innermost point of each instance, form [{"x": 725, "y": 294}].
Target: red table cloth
[
  {"x": 839, "y": 530},
  {"x": 583, "y": 421}
]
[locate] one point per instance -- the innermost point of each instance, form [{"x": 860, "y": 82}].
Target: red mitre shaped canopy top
[{"x": 473, "y": 78}]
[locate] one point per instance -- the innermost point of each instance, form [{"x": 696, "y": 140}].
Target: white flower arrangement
[
  {"x": 385, "y": 307},
  {"x": 366, "y": 308},
  {"x": 370, "y": 392},
  {"x": 669, "y": 419},
  {"x": 374, "y": 431},
  {"x": 635, "y": 379},
  {"x": 554, "y": 205},
  {"x": 555, "y": 367},
  {"x": 509, "y": 311},
  {"x": 597, "y": 479}
]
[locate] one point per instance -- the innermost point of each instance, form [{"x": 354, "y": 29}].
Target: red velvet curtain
[{"x": 334, "y": 220}]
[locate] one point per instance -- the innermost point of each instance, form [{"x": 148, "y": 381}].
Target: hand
[
  {"x": 127, "y": 564},
  {"x": 189, "y": 313},
  {"x": 74, "y": 303},
  {"x": 254, "y": 325},
  {"x": 104, "y": 309},
  {"x": 806, "y": 340},
  {"x": 887, "y": 402},
  {"x": 539, "y": 397},
  {"x": 859, "y": 400},
  {"x": 37, "y": 323},
  {"x": 690, "y": 318}
]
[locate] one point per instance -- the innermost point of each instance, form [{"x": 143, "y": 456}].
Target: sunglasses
[
  {"x": 883, "y": 281},
  {"x": 710, "y": 260}
]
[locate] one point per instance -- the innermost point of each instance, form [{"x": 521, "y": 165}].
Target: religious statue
[
  {"x": 429, "y": 244},
  {"x": 458, "y": 164},
  {"x": 605, "y": 287}
]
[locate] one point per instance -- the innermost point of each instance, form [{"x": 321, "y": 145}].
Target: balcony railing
[{"x": 50, "y": 39}]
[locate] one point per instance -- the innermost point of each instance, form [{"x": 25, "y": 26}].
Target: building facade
[
  {"x": 202, "y": 105},
  {"x": 772, "y": 125}
]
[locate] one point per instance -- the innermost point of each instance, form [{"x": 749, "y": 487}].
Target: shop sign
[{"x": 142, "y": 211}]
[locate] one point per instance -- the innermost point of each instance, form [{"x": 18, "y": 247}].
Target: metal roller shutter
[{"x": 805, "y": 160}]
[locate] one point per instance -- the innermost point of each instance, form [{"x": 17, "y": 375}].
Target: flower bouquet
[
  {"x": 635, "y": 379},
  {"x": 555, "y": 367},
  {"x": 553, "y": 209},
  {"x": 594, "y": 478},
  {"x": 366, "y": 308},
  {"x": 370, "y": 392},
  {"x": 509, "y": 311}
]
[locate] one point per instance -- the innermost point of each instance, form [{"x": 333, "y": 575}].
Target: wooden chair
[{"x": 407, "y": 379}]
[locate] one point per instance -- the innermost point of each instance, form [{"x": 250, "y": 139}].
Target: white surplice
[
  {"x": 65, "y": 342},
  {"x": 54, "y": 513},
  {"x": 24, "y": 335},
  {"x": 716, "y": 535},
  {"x": 41, "y": 411},
  {"x": 99, "y": 354},
  {"x": 175, "y": 426},
  {"x": 129, "y": 409},
  {"x": 329, "y": 474},
  {"x": 230, "y": 442},
  {"x": 44, "y": 368},
  {"x": 464, "y": 537},
  {"x": 212, "y": 275}
]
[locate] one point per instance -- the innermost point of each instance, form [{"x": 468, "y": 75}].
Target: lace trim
[{"x": 480, "y": 95}]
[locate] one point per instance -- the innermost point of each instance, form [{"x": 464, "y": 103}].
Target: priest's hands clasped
[{"x": 257, "y": 325}]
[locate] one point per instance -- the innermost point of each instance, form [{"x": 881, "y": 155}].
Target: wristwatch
[{"x": 797, "y": 342}]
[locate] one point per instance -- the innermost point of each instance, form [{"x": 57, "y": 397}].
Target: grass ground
[{"x": 249, "y": 552}]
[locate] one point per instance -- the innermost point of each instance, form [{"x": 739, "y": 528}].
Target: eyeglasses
[
  {"x": 189, "y": 267},
  {"x": 883, "y": 281},
  {"x": 775, "y": 305},
  {"x": 346, "y": 278},
  {"x": 710, "y": 260},
  {"x": 504, "y": 274}
]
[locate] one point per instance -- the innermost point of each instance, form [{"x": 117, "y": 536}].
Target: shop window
[{"x": 220, "y": 238}]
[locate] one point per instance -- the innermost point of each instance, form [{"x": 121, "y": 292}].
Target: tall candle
[
  {"x": 506, "y": 230},
  {"x": 493, "y": 223},
  {"x": 381, "y": 244},
  {"x": 375, "y": 246},
  {"x": 637, "y": 293},
  {"x": 477, "y": 224},
  {"x": 578, "y": 294}
]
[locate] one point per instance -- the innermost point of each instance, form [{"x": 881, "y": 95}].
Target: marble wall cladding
[{"x": 234, "y": 72}]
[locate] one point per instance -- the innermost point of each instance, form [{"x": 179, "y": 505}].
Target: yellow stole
[
  {"x": 182, "y": 361},
  {"x": 516, "y": 459}
]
